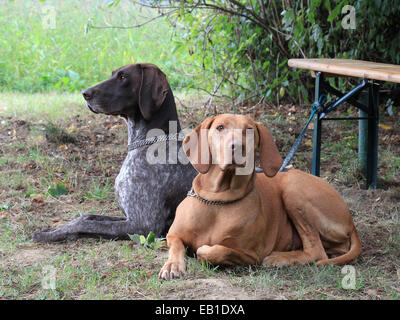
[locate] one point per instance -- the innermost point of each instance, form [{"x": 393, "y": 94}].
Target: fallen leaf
[
  {"x": 71, "y": 129},
  {"x": 110, "y": 126},
  {"x": 75, "y": 263},
  {"x": 308, "y": 143},
  {"x": 38, "y": 199},
  {"x": 370, "y": 251},
  {"x": 30, "y": 166},
  {"x": 4, "y": 214},
  {"x": 63, "y": 147},
  {"x": 385, "y": 127},
  {"x": 372, "y": 292}
]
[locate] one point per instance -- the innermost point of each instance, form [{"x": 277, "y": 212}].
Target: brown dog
[{"x": 275, "y": 219}]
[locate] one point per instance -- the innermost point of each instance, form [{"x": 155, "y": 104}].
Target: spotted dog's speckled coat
[
  {"x": 153, "y": 191},
  {"x": 148, "y": 194}
]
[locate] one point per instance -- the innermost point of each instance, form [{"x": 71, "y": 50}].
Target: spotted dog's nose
[{"x": 88, "y": 94}]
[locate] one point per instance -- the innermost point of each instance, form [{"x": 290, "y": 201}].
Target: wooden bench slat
[{"x": 351, "y": 68}]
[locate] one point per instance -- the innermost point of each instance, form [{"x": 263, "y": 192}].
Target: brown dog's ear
[
  {"x": 153, "y": 90},
  {"x": 197, "y": 148},
  {"x": 270, "y": 157}
]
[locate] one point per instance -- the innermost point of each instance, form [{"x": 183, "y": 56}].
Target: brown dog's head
[
  {"x": 132, "y": 89},
  {"x": 230, "y": 141}
]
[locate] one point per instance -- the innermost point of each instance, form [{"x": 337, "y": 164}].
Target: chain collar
[
  {"x": 193, "y": 194},
  {"x": 152, "y": 140}
]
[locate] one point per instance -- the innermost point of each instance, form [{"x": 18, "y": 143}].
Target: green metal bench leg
[
  {"x": 363, "y": 132},
  {"x": 316, "y": 159},
  {"x": 368, "y": 128},
  {"x": 372, "y": 150},
  {"x": 368, "y": 135}
]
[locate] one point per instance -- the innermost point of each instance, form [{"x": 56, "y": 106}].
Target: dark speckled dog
[{"x": 147, "y": 193}]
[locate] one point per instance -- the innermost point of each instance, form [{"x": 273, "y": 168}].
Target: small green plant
[
  {"x": 59, "y": 190},
  {"x": 54, "y": 133},
  {"x": 97, "y": 192},
  {"x": 150, "y": 241},
  {"x": 5, "y": 206}
]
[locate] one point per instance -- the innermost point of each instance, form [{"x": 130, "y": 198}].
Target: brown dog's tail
[{"x": 354, "y": 252}]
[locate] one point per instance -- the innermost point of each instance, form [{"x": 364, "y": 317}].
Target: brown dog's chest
[
  {"x": 239, "y": 225},
  {"x": 257, "y": 224}
]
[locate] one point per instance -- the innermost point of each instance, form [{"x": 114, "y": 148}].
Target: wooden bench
[{"x": 368, "y": 104}]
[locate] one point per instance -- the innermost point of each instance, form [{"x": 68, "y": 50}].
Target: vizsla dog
[{"x": 276, "y": 219}]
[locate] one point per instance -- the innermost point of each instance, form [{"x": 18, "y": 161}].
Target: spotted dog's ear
[
  {"x": 153, "y": 90},
  {"x": 270, "y": 157},
  {"x": 197, "y": 148}
]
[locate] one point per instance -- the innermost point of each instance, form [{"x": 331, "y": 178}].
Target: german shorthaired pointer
[{"x": 147, "y": 193}]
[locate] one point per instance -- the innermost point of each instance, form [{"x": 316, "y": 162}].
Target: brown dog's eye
[
  {"x": 122, "y": 76},
  {"x": 220, "y": 127}
]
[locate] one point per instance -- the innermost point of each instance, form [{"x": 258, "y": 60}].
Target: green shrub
[
  {"x": 245, "y": 45},
  {"x": 233, "y": 48}
]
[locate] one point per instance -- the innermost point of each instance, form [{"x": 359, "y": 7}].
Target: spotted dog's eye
[{"x": 220, "y": 127}]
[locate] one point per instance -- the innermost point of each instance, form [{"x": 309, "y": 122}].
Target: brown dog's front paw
[{"x": 172, "y": 270}]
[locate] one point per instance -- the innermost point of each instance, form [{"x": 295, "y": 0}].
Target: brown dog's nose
[{"x": 87, "y": 94}]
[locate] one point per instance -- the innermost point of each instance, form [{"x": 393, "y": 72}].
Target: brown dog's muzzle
[{"x": 236, "y": 150}]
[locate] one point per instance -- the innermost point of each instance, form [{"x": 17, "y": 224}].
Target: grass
[
  {"x": 37, "y": 56},
  {"x": 36, "y": 107},
  {"x": 31, "y": 162},
  {"x": 99, "y": 192}
]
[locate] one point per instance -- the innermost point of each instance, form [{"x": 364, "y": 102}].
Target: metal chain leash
[{"x": 317, "y": 107}]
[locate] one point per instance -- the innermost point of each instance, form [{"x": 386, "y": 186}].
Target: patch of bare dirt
[
  {"x": 206, "y": 289},
  {"x": 29, "y": 255}
]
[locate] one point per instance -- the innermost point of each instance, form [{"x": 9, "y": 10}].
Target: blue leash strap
[{"x": 316, "y": 107}]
